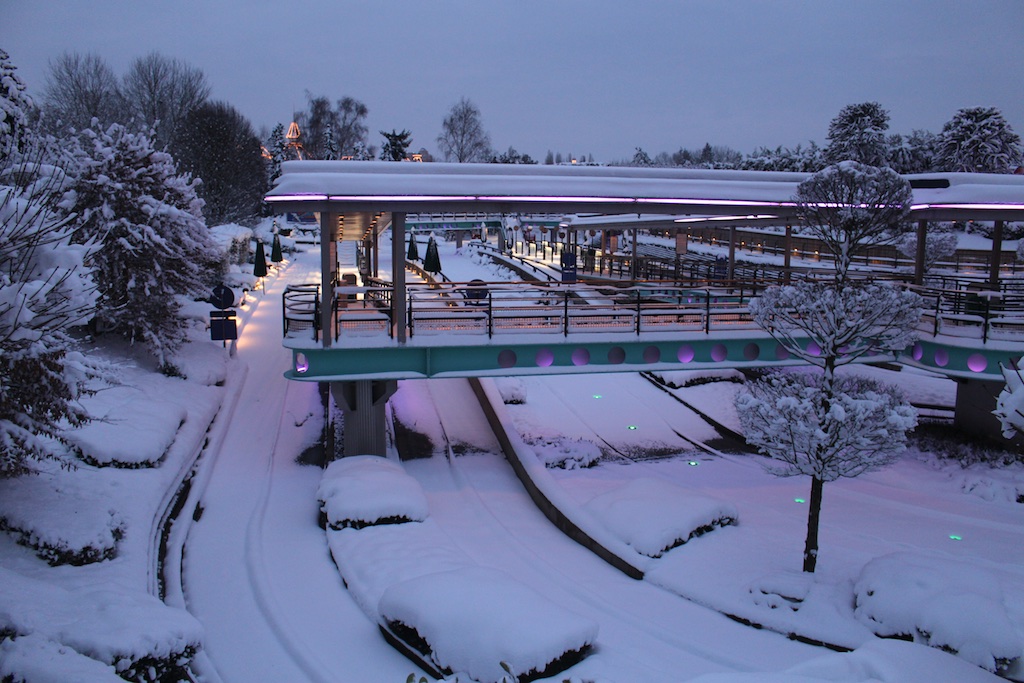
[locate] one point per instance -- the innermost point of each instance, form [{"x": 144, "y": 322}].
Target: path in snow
[{"x": 257, "y": 571}]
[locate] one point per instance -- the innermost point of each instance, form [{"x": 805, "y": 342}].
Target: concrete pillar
[
  {"x": 362, "y": 403},
  {"x": 975, "y": 401},
  {"x": 328, "y": 273},
  {"x": 787, "y": 258},
  {"x": 997, "y": 256},
  {"x": 398, "y": 304},
  {"x": 731, "y": 273}
]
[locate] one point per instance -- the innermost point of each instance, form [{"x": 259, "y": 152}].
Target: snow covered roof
[{"x": 354, "y": 186}]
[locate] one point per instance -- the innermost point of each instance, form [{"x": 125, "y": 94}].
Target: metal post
[
  {"x": 786, "y": 258},
  {"x": 919, "y": 252},
  {"x": 732, "y": 253},
  {"x": 328, "y": 272},
  {"x": 997, "y": 253}
]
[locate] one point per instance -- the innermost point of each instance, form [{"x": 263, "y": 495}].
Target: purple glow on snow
[
  {"x": 977, "y": 362},
  {"x": 685, "y": 353}
]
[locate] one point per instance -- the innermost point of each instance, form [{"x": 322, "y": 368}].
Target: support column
[
  {"x": 787, "y": 258},
  {"x": 975, "y": 401},
  {"x": 328, "y": 273},
  {"x": 997, "y": 256},
  {"x": 632, "y": 268},
  {"x": 398, "y": 303},
  {"x": 362, "y": 402},
  {"x": 731, "y": 275},
  {"x": 919, "y": 252}
]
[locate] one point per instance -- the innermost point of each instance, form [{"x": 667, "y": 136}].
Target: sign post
[{"x": 223, "y": 326}]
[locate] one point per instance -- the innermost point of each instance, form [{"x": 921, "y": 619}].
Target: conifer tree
[{"x": 978, "y": 140}]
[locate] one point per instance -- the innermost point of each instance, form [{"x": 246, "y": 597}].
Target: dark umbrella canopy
[
  {"x": 259, "y": 268},
  {"x": 414, "y": 253},
  {"x": 275, "y": 250},
  {"x": 432, "y": 261}
]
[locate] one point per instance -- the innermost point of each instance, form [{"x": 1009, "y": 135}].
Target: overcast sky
[{"x": 570, "y": 76}]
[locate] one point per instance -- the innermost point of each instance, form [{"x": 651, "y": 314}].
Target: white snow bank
[
  {"x": 565, "y": 453},
  {"x": 373, "y": 558},
  {"x": 363, "y": 490},
  {"x": 879, "y": 661},
  {"x": 944, "y": 603},
  {"x": 512, "y": 390},
  {"x": 473, "y": 619},
  {"x": 125, "y": 630},
  {"x": 654, "y": 515},
  {"x": 134, "y": 433},
  {"x": 689, "y": 378},
  {"x": 34, "y": 659},
  {"x": 66, "y": 517}
]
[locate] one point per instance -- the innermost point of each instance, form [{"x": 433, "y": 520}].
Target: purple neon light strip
[
  {"x": 1013, "y": 207},
  {"x": 297, "y": 198}
]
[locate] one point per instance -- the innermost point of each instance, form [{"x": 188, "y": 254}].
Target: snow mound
[
  {"x": 365, "y": 490},
  {"x": 472, "y": 620},
  {"x": 512, "y": 390},
  {"x": 35, "y": 659},
  {"x": 134, "y": 633},
  {"x": 944, "y": 603},
  {"x": 66, "y": 519},
  {"x": 135, "y": 433},
  {"x": 879, "y": 661},
  {"x": 653, "y": 515},
  {"x": 679, "y": 379},
  {"x": 565, "y": 453}
]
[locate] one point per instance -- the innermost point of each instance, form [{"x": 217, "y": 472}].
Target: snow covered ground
[{"x": 258, "y": 575}]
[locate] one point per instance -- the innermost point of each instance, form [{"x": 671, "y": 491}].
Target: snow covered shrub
[
  {"x": 34, "y": 657},
  {"x": 66, "y": 518},
  {"x": 949, "y": 443},
  {"x": 654, "y": 516},
  {"x": 564, "y": 453},
  {"x": 144, "y": 640},
  {"x": 234, "y": 241},
  {"x": 944, "y": 603},
  {"x": 512, "y": 390},
  {"x": 367, "y": 490},
  {"x": 132, "y": 435},
  {"x": 679, "y": 379},
  {"x": 151, "y": 242},
  {"x": 474, "y": 619}
]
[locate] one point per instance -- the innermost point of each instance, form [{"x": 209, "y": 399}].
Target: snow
[{"x": 273, "y": 606}]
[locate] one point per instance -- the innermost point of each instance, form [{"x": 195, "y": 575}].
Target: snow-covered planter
[
  {"x": 678, "y": 379},
  {"x": 473, "y": 620},
  {"x": 65, "y": 519},
  {"x": 945, "y": 603},
  {"x": 134, "y": 434},
  {"x": 143, "y": 639},
  {"x": 654, "y": 516},
  {"x": 565, "y": 453},
  {"x": 366, "y": 490}
]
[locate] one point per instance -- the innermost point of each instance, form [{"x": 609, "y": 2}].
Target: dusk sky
[{"x": 569, "y": 76}]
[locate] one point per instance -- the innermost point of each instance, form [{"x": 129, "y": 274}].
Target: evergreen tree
[
  {"x": 15, "y": 104},
  {"x": 914, "y": 153},
  {"x": 152, "y": 244},
  {"x": 978, "y": 140},
  {"x": 549, "y": 159},
  {"x": 858, "y": 134},
  {"x": 276, "y": 149},
  {"x": 640, "y": 158},
  {"x": 395, "y": 145},
  {"x": 330, "y": 145},
  {"x": 216, "y": 144}
]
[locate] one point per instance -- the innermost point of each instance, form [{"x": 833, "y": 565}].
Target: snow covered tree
[
  {"x": 152, "y": 245},
  {"x": 80, "y": 88},
  {"x": 978, "y": 140},
  {"x": 820, "y": 424},
  {"x": 216, "y": 144},
  {"x": 44, "y": 292},
  {"x": 857, "y": 133},
  {"x": 395, "y": 145},
  {"x": 15, "y": 105},
  {"x": 350, "y": 127},
  {"x": 331, "y": 152},
  {"x": 276, "y": 149},
  {"x": 939, "y": 245},
  {"x": 1010, "y": 402},
  {"x": 825, "y": 430},
  {"x": 641, "y": 158},
  {"x": 463, "y": 138},
  {"x": 850, "y": 207},
  {"x": 914, "y": 153}
]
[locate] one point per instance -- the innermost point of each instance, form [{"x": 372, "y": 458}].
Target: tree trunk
[{"x": 813, "y": 517}]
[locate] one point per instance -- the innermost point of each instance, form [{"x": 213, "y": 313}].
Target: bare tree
[
  {"x": 462, "y": 137},
  {"x": 78, "y": 89},
  {"x": 350, "y": 129},
  {"x": 346, "y": 123},
  {"x": 160, "y": 92}
]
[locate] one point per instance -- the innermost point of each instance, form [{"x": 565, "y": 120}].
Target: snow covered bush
[
  {"x": 134, "y": 434},
  {"x": 679, "y": 379},
  {"x": 152, "y": 245},
  {"x": 944, "y": 603},
  {"x": 31, "y": 658},
  {"x": 234, "y": 241},
  {"x": 44, "y": 292},
  {"x": 654, "y": 516},
  {"x": 143, "y": 639},
  {"x": 940, "y": 244},
  {"x": 472, "y": 620},
  {"x": 1010, "y": 402},
  {"x": 366, "y": 490},
  {"x": 564, "y": 453}
]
